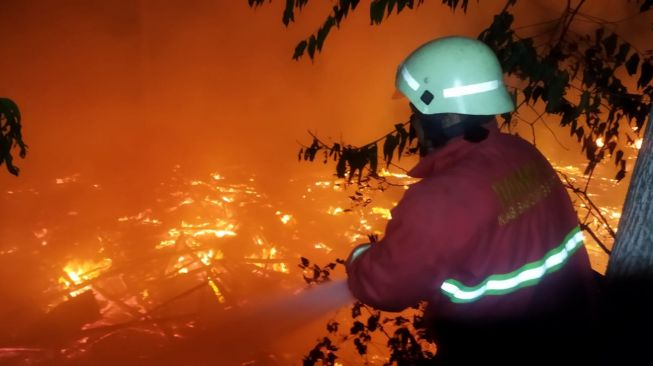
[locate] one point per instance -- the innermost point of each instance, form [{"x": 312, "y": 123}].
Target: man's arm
[{"x": 403, "y": 268}]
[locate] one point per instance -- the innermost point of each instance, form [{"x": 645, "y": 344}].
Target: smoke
[{"x": 249, "y": 331}]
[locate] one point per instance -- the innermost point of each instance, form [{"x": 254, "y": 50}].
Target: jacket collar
[{"x": 454, "y": 151}]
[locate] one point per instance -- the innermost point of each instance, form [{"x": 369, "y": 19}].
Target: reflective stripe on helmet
[
  {"x": 410, "y": 80},
  {"x": 458, "y": 91},
  {"x": 528, "y": 275}
]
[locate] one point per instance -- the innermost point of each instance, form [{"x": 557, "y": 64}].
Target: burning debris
[{"x": 160, "y": 271}]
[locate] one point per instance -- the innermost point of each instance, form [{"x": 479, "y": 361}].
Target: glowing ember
[{"x": 638, "y": 143}]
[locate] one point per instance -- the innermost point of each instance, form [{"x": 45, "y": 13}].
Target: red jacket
[{"x": 489, "y": 231}]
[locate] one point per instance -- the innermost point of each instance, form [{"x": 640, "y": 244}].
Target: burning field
[
  {"x": 194, "y": 252},
  {"x": 139, "y": 280}
]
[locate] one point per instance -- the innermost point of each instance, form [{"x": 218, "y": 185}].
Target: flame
[
  {"x": 322, "y": 246},
  {"x": 143, "y": 217},
  {"x": 186, "y": 263},
  {"x": 79, "y": 272},
  {"x": 217, "y": 292},
  {"x": 270, "y": 254},
  {"x": 386, "y": 173},
  {"x": 384, "y": 212},
  {"x": 638, "y": 143},
  {"x": 219, "y": 229},
  {"x": 335, "y": 211}
]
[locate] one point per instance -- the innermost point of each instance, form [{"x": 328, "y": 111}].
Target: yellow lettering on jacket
[{"x": 521, "y": 190}]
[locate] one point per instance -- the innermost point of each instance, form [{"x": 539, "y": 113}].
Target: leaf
[
  {"x": 332, "y": 326},
  {"x": 402, "y": 4},
  {"x": 620, "y": 175},
  {"x": 373, "y": 158},
  {"x": 391, "y": 6},
  {"x": 373, "y": 322},
  {"x": 599, "y": 35},
  {"x": 537, "y": 92},
  {"x": 624, "y": 48},
  {"x": 555, "y": 91},
  {"x": 632, "y": 64},
  {"x": 324, "y": 32},
  {"x": 388, "y": 148},
  {"x": 357, "y": 327},
  {"x": 610, "y": 44},
  {"x": 580, "y": 132},
  {"x": 403, "y": 139},
  {"x": 356, "y": 309},
  {"x": 288, "y": 12},
  {"x": 312, "y": 43},
  {"x": 584, "y": 103},
  {"x": 299, "y": 50},
  {"x": 377, "y": 11},
  {"x": 255, "y": 3},
  {"x": 646, "y": 74},
  {"x": 400, "y": 320},
  {"x": 618, "y": 157},
  {"x": 646, "y": 6},
  {"x": 305, "y": 262},
  {"x": 360, "y": 347}
]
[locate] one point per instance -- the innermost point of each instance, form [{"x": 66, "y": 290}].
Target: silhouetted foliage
[
  {"x": 406, "y": 339},
  {"x": 10, "y": 134}
]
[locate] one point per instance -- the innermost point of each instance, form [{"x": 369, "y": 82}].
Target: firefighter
[{"x": 488, "y": 237}]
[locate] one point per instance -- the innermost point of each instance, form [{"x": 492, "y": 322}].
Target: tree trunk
[
  {"x": 627, "y": 317},
  {"x": 632, "y": 255}
]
